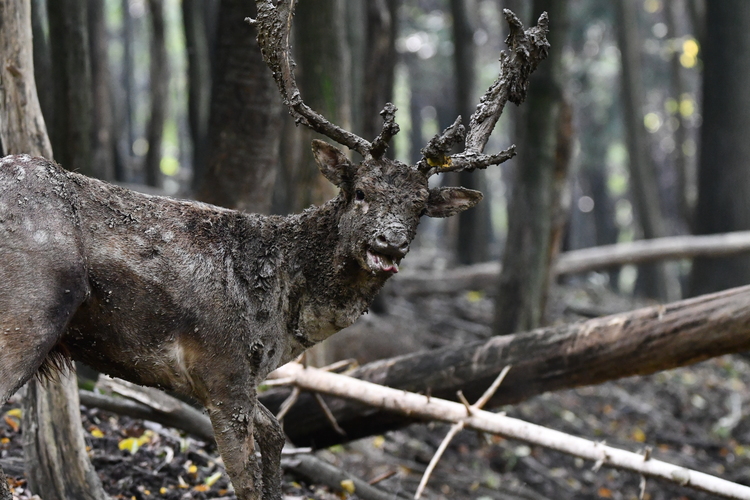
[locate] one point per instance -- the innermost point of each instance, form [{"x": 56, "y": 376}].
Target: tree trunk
[
  {"x": 724, "y": 177},
  {"x": 71, "y": 67},
  {"x": 245, "y": 123},
  {"x": 640, "y": 342},
  {"x": 658, "y": 280},
  {"x": 159, "y": 87},
  {"x": 525, "y": 275},
  {"x": 473, "y": 234},
  {"x": 102, "y": 133},
  {"x": 199, "y": 82},
  {"x": 322, "y": 56},
  {"x": 57, "y": 465},
  {"x": 382, "y": 27},
  {"x": 42, "y": 58},
  {"x": 125, "y": 147}
]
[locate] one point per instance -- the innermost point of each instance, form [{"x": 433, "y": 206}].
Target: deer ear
[
  {"x": 448, "y": 201},
  {"x": 333, "y": 164}
]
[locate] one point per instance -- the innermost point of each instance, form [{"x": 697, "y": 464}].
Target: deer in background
[{"x": 207, "y": 301}]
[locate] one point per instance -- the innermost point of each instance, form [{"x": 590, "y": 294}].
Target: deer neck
[{"x": 329, "y": 288}]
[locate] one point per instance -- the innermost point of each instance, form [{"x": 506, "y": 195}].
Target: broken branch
[{"x": 446, "y": 411}]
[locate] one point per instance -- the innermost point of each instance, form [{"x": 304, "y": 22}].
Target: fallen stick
[{"x": 447, "y": 411}]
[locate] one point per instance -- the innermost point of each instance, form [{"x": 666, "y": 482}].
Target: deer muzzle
[{"x": 387, "y": 250}]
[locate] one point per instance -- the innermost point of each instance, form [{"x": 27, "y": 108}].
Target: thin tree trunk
[
  {"x": 199, "y": 82},
  {"x": 473, "y": 234},
  {"x": 658, "y": 280},
  {"x": 724, "y": 176},
  {"x": 640, "y": 342},
  {"x": 245, "y": 122},
  {"x": 382, "y": 27},
  {"x": 355, "y": 23},
  {"x": 57, "y": 465},
  {"x": 124, "y": 165},
  {"x": 42, "y": 58},
  {"x": 102, "y": 133},
  {"x": 523, "y": 283},
  {"x": 322, "y": 55},
  {"x": 159, "y": 86},
  {"x": 71, "y": 67}
]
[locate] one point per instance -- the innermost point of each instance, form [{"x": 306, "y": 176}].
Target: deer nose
[{"x": 391, "y": 243}]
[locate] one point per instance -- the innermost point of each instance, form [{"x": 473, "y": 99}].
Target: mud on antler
[{"x": 526, "y": 49}]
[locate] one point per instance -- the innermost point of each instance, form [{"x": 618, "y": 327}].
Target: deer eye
[{"x": 359, "y": 195}]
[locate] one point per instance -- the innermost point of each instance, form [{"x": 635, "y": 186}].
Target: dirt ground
[{"x": 692, "y": 416}]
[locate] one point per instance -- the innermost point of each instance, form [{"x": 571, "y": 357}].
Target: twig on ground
[
  {"x": 458, "y": 427},
  {"x": 329, "y": 414},
  {"x": 288, "y": 403}
]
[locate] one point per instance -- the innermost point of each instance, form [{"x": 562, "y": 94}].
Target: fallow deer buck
[{"x": 207, "y": 301}]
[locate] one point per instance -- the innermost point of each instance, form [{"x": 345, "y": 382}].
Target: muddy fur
[{"x": 195, "y": 298}]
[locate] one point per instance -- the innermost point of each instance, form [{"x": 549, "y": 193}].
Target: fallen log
[
  {"x": 484, "y": 276},
  {"x": 637, "y": 252},
  {"x": 640, "y": 342}
]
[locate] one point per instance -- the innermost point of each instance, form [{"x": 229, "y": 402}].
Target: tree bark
[
  {"x": 159, "y": 87},
  {"x": 71, "y": 67},
  {"x": 57, "y": 465},
  {"x": 640, "y": 342},
  {"x": 724, "y": 177},
  {"x": 245, "y": 122},
  {"x": 523, "y": 283},
  {"x": 102, "y": 133},
  {"x": 657, "y": 281}
]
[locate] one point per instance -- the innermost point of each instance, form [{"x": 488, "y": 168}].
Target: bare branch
[
  {"x": 274, "y": 25},
  {"x": 417, "y": 405},
  {"x": 527, "y": 48}
]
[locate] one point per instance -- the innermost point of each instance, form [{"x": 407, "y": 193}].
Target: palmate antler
[{"x": 527, "y": 49}]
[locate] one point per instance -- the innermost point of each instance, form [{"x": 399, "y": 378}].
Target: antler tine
[
  {"x": 390, "y": 128},
  {"x": 527, "y": 49},
  {"x": 274, "y": 25}
]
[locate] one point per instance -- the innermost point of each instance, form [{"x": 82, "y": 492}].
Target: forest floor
[{"x": 693, "y": 416}]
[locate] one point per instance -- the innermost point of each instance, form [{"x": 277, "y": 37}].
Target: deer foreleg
[
  {"x": 233, "y": 429},
  {"x": 270, "y": 439},
  {"x": 4, "y": 490}
]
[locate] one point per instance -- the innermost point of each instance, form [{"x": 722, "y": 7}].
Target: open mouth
[{"x": 378, "y": 262}]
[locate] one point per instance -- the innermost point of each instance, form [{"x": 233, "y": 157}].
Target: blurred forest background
[
  {"x": 173, "y": 95},
  {"x": 636, "y": 127}
]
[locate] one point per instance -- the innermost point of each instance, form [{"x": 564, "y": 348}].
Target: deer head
[
  {"x": 384, "y": 199},
  {"x": 383, "y": 202}
]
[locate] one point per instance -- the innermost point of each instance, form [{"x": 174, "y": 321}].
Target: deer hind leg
[
  {"x": 39, "y": 293},
  {"x": 270, "y": 438}
]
